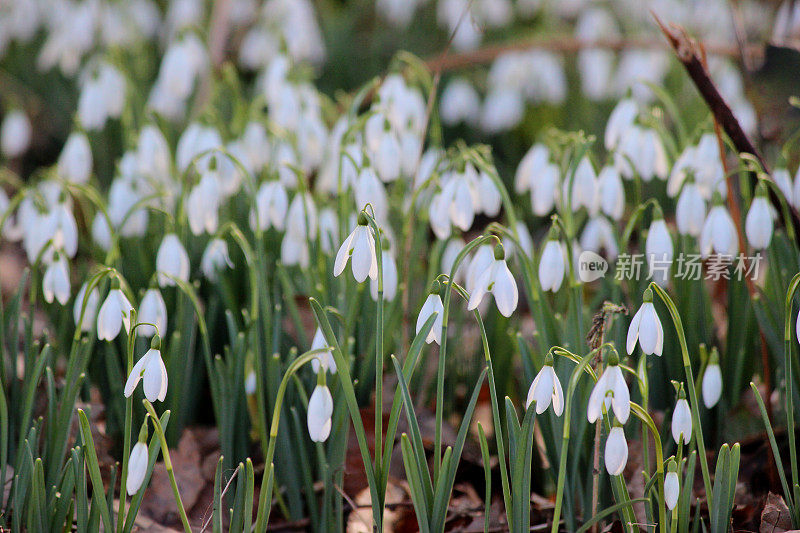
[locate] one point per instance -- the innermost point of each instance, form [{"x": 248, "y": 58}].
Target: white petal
[
  {"x": 633, "y": 331},
  {"x": 137, "y": 468},
  {"x": 672, "y": 489},
  {"x": 712, "y": 386},
  {"x": 343, "y": 255},
  {"x": 152, "y": 375},
  {"x": 134, "y": 376},
  {"x": 616, "y": 452},
  {"x": 505, "y": 290}
]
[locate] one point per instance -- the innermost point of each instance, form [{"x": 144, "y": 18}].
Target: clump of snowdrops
[{"x": 214, "y": 244}]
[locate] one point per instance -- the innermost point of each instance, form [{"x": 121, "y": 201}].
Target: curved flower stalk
[{"x": 687, "y": 368}]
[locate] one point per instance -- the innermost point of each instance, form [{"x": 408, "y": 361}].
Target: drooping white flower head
[
  {"x": 137, "y": 468},
  {"x": 616, "y": 451},
  {"x": 498, "y": 280},
  {"x": 646, "y": 328},
  {"x": 15, "y": 134},
  {"x": 324, "y": 359},
  {"x": 152, "y": 310},
  {"x": 546, "y": 389},
  {"x": 659, "y": 250},
  {"x": 690, "y": 211},
  {"x": 682, "y": 421},
  {"x": 672, "y": 489},
  {"x": 611, "y": 391},
  {"x": 215, "y": 258},
  {"x": 552, "y": 266},
  {"x": 459, "y": 102},
  {"x": 433, "y": 304},
  {"x": 75, "y": 160},
  {"x": 530, "y": 168},
  {"x": 712, "y": 384},
  {"x": 583, "y": 189},
  {"x": 294, "y": 251},
  {"x": 90, "y": 312},
  {"x": 202, "y": 204},
  {"x": 619, "y": 121},
  {"x": 389, "y": 278},
  {"x": 719, "y": 233},
  {"x": 302, "y": 218},
  {"x": 151, "y": 368},
  {"x": 55, "y": 282},
  {"x": 320, "y": 411},
  {"x": 360, "y": 246},
  {"x": 611, "y": 193},
  {"x": 171, "y": 260},
  {"x": 114, "y": 313},
  {"x": 489, "y": 199},
  {"x": 759, "y": 224}
]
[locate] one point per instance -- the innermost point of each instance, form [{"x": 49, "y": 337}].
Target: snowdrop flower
[
  {"x": 171, "y": 260},
  {"x": 302, "y": 218},
  {"x": 389, "y": 278},
  {"x": 682, "y": 420},
  {"x": 433, "y": 304},
  {"x": 324, "y": 359},
  {"x": 15, "y": 134},
  {"x": 672, "y": 486},
  {"x": 758, "y": 225},
  {"x": 498, "y": 280},
  {"x": 460, "y": 103},
  {"x": 611, "y": 383},
  {"x": 215, "y": 258},
  {"x": 611, "y": 193},
  {"x": 294, "y": 251},
  {"x": 479, "y": 263},
  {"x": 552, "y": 265},
  {"x": 152, "y": 310},
  {"x": 114, "y": 313},
  {"x": 55, "y": 282},
  {"x": 712, "y": 382},
  {"x": 272, "y": 204},
  {"x": 598, "y": 235},
  {"x": 202, "y": 204},
  {"x": 583, "y": 192},
  {"x": 320, "y": 411},
  {"x": 90, "y": 312},
  {"x": 616, "y": 451},
  {"x": 151, "y": 368},
  {"x": 719, "y": 232},
  {"x": 690, "y": 211},
  {"x": 546, "y": 388},
  {"x": 328, "y": 230},
  {"x": 658, "y": 247},
  {"x": 137, "y": 467},
  {"x": 646, "y": 328},
  {"x": 369, "y": 189},
  {"x": 360, "y": 245},
  {"x": 503, "y": 109},
  {"x": 530, "y": 168},
  {"x": 621, "y": 118},
  {"x": 75, "y": 160},
  {"x": 783, "y": 180}
]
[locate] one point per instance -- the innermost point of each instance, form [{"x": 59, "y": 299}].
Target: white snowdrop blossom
[
  {"x": 659, "y": 250},
  {"x": 202, "y": 204},
  {"x": 15, "y": 134},
  {"x": 114, "y": 313},
  {"x": 690, "y": 211},
  {"x": 611, "y": 193},
  {"x": 75, "y": 160},
  {"x": 55, "y": 282},
  {"x": 646, "y": 328},
  {"x": 682, "y": 422},
  {"x": 152, "y": 310},
  {"x": 215, "y": 258},
  {"x": 360, "y": 246},
  {"x": 498, "y": 280},
  {"x": 719, "y": 233},
  {"x": 612, "y": 391},
  {"x": 552, "y": 266},
  {"x": 433, "y": 304},
  {"x": 320, "y": 411},
  {"x": 137, "y": 468},
  {"x": 759, "y": 224},
  {"x": 272, "y": 204},
  {"x": 672, "y": 489},
  {"x": 172, "y": 261},
  {"x": 324, "y": 359},
  {"x": 546, "y": 389},
  {"x": 712, "y": 385},
  {"x": 616, "y": 451},
  {"x": 621, "y": 118},
  {"x": 151, "y": 368}
]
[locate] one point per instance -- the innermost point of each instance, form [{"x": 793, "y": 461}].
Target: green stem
[
  {"x": 697, "y": 429},
  {"x": 637, "y": 410},
  {"x": 787, "y": 358}
]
